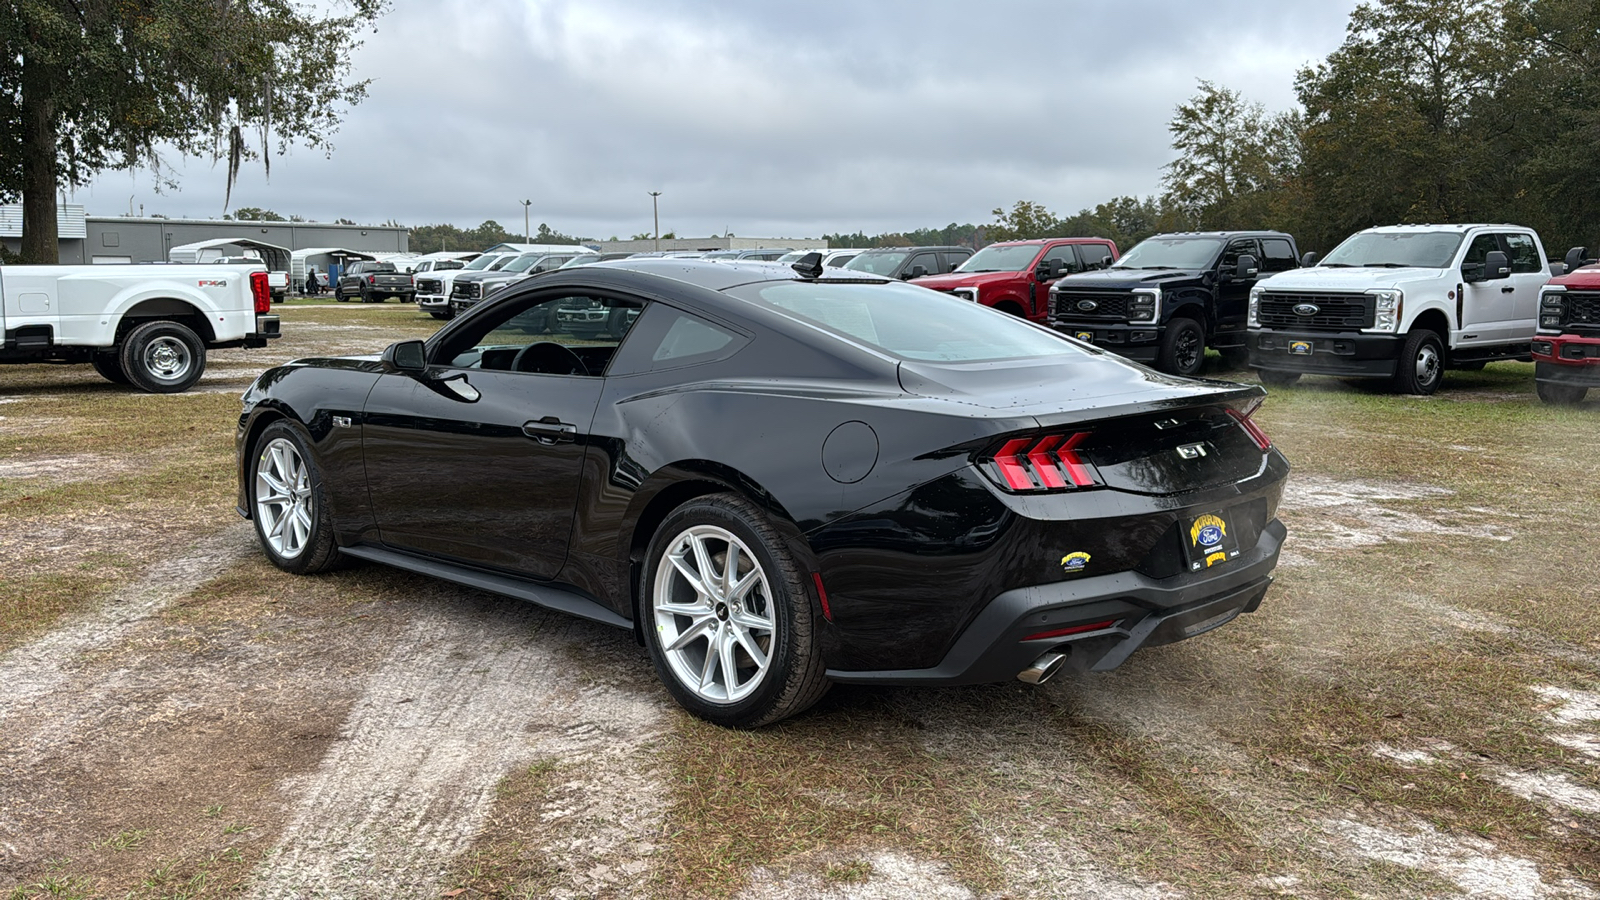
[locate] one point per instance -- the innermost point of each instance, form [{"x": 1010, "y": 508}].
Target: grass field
[{"x": 1413, "y": 712}]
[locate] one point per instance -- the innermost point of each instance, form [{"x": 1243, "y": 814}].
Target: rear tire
[
  {"x": 1421, "y": 366},
  {"x": 339, "y": 297},
  {"x": 288, "y": 504},
  {"x": 1277, "y": 378},
  {"x": 1560, "y": 394},
  {"x": 1183, "y": 348},
  {"x": 162, "y": 357},
  {"x": 740, "y": 655},
  {"x": 109, "y": 367}
]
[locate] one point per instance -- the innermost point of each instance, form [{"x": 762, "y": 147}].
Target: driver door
[
  {"x": 1233, "y": 294},
  {"x": 480, "y": 459}
]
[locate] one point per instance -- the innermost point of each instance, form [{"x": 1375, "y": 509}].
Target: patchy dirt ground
[{"x": 1414, "y": 711}]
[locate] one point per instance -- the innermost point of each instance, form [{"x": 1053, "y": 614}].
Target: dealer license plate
[
  {"x": 1086, "y": 336},
  {"x": 1209, "y": 541},
  {"x": 1299, "y": 348}
]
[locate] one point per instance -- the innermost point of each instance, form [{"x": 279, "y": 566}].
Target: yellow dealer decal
[{"x": 1075, "y": 562}]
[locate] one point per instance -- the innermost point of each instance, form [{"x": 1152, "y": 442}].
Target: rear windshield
[
  {"x": 907, "y": 321},
  {"x": 1394, "y": 250},
  {"x": 1001, "y": 258}
]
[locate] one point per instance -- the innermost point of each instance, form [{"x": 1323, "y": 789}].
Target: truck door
[
  {"x": 1486, "y": 307},
  {"x": 1528, "y": 275},
  {"x": 1063, "y": 261},
  {"x": 1233, "y": 294}
]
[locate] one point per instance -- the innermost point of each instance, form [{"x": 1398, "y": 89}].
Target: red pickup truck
[
  {"x": 1015, "y": 276},
  {"x": 1566, "y": 348}
]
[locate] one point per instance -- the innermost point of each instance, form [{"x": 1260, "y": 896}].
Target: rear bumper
[
  {"x": 1567, "y": 359},
  {"x": 1137, "y": 342},
  {"x": 1144, "y": 612},
  {"x": 1348, "y": 354}
]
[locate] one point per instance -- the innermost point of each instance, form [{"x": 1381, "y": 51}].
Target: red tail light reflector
[
  {"x": 372, "y": 279},
  {"x": 1043, "y": 463},
  {"x": 261, "y": 292},
  {"x": 1251, "y": 428},
  {"x": 1075, "y": 629},
  {"x": 822, "y": 595}
]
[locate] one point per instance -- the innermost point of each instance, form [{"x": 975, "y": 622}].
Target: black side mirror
[
  {"x": 1496, "y": 265},
  {"x": 1247, "y": 268},
  {"x": 1309, "y": 259},
  {"x": 1575, "y": 257},
  {"x": 916, "y": 272},
  {"x": 407, "y": 356},
  {"x": 1042, "y": 273},
  {"x": 1105, "y": 262}
]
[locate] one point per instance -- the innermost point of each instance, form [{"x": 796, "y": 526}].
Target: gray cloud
[{"x": 771, "y": 120}]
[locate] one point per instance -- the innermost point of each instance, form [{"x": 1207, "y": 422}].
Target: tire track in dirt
[{"x": 470, "y": 692}]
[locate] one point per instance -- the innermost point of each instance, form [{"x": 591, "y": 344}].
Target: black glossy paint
[{"x": 911, "y": 544}]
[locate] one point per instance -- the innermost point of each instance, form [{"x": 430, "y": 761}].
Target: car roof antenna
[{"x": 809, "y": 266}]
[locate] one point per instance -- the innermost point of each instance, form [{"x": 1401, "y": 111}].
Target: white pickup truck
[
  {"x": 1402, "y": 303},
  {"x": 146, "y": 325}
]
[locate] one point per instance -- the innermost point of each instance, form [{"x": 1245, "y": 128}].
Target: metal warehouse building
[{"x": 125, "y": 239}]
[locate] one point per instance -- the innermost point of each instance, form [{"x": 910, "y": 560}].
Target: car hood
[
  {"x": 1127, "y": 279},
  {"x": 1584, "y": 279},
  {"x": 1324, "y": 278},
  {"x": 953, "y": 280}
]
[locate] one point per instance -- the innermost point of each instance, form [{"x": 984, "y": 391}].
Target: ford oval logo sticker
[
  {"x": 1307, "y": 309},
  {"x": 1088, "y": 305}
]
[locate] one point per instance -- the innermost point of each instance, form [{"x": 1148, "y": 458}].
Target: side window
[
  {"x": 669, "y": 338},
  {"x": 543, "y": 334},
  {"x": 953, "y": 258},
  {"x": 1094, "y": 255},
  {"x": 1478, "y": 250},
  {"x": 1276, "y": 255},
  {"x": 1230, "y": 256},
  {"x": 687, "y": 338},
  {"x": 1524, "y": 255},
  {"x": 928, "y": 261},
  {"x": 1064, "y": 254}
]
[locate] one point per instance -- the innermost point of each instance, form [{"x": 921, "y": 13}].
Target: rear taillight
[
  {"x": 1251, "y": 428},
  {"x": 261, "y": 292},
  {"x": 1049, "y": 462},
  {"x": 372, "y": 279}
]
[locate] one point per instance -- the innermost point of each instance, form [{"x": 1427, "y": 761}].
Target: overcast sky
[{"x": 769, "y": 120}]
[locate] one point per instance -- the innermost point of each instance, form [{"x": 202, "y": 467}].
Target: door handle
[
  {"x": 550, "y": 430},
  {"x": 1508, "y": 290}
]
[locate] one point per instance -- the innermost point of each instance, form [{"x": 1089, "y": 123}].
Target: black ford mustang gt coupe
[{"x": 779, "y": 479}]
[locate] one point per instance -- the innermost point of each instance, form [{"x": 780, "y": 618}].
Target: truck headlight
[
  {"x": 1144, "y": 306},
  {"x": 1388, "y": 306},
  {"x": 1550, "y": 300},
  {"x": 1254, "y": 318},
  {"x": 1550, "y": 321}
]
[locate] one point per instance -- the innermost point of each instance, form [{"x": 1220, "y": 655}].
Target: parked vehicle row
[{"x": 1566, "y": 348}]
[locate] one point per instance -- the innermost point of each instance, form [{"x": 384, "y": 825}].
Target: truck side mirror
[
  {"x": 1105, "y": 261},
  {"x": 1042, "y": 273},
  {"x": 1575, "y": 257},
  {"x": 407, "y": 356},
  {"x": 1247, "y": 268},
  {"x": 1496, "y": 265},
  {"x": 916, "y": 272},
  {"x": 1309, "y": 259}
]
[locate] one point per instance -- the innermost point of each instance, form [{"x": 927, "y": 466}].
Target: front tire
[
  {"x": 1183, "y": 348},
  {"x": 1560, "y": 394},
  {"x": 727, "y": 616},
  {"x": 1421, "y": 366},
  {"x": 339, "y": 297},
  {"x": 1277, "y": 377},
  {"x": 288, "y": 504},
  {"x": 162, "y": 357}
]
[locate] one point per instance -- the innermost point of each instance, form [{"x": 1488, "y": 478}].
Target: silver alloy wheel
[
  {"x": 284, "y": 505},
  {"x": 714, "y": 614},
  {"x": 1427, "y": 364},
  {"x": 167, "y": 358}
]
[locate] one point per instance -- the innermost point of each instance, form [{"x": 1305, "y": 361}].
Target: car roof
[
  {"x": 1218, "y": 234},
  {"x": 1447, "y": 227},
  {"x": 1036, "y": 242},
  {"x": 908, "y": 249}
]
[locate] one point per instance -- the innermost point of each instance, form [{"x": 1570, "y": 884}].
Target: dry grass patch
[{"x": 508, "y": 858}]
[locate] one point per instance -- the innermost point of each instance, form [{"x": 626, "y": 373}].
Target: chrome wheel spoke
[
  {"x": 693, "y": 633},
  {"x": 730, "y": 672},
  {"x": 285, "y": 506},
  {"x": 689, "y": 575},
  {"x": 702, "y": 561},
  {"x": 712, "y": 610},
  {"x": 757, "y": 655},
  {"x": 708, "y": 670}
]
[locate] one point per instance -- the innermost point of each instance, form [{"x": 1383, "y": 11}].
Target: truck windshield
[
  {"x": 1394, "y": 250},
  {"x": 1171, "y": 253},
  {"x": 521, "y": 263},
  {"x": 878, "y": 263},
  {"x": 1001, "y": 258},
  {"x": 480, "y": 263}
]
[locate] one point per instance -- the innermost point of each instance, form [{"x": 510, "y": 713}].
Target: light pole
[
  {"x": 526, "y": 235},
  {"x": 655, "y": 210}
]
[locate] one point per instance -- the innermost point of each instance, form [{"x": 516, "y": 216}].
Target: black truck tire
[
  {"x": 162, "y": 357},
  {"x": 1183, "y": 348},
  {"x": 1420, "y": 368},
  {"x": 109, "y": 367}
]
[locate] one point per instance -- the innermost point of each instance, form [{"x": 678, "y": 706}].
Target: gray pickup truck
[{"x": 373, "y": 282}]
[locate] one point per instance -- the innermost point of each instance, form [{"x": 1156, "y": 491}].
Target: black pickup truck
[
  {"x": 373, "y": 282},
  {"x": 1172, "y": 296}
]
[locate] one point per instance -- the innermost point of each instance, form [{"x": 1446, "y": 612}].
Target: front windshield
[
  {"x": 1396, "y": 250},
  {"x": 480, "y": 263},
  {"x": 583, "y": 260},
  {"x": 501, "y": 263},
  {"x": 1001, "y": 258},
  {"x": 1171, "y": 253},
  {"x": 521, "y": 264},
  {"x": 908, "y": 322},
  {"x": 883, "y": 263}
]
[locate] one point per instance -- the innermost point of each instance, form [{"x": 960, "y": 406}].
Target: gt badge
[{"x": 1074, "y": 563}]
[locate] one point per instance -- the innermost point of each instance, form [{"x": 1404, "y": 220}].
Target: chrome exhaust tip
[{"x": 1043, "y": 668}]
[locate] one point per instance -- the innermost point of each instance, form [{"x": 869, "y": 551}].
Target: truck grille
[
  {"x": 1334, "y": 312},
  {"x": 1106, "y": 306},
  {"x": 467, "y": 290},
  {"x": 1581, "y": 308},
  {"x": 427, "y": 285}
]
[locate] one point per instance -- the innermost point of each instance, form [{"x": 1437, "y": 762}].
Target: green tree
[
  {"x": 1024, "y": 221},
  {"x": 257, "y": 214},
  {"x": 1232, "y": 158},
  {"x": 92, "y": 85}
]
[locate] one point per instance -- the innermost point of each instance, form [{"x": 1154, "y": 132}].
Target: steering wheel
[{"x": 548, "y": 358}]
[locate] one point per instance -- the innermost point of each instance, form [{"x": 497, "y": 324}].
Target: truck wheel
[
  {"x": 288, "y": 504},
  {"x": 162, "y": 357},
  {"x": 437, "y": 314},
  {"x": 109, "y": 367},
  {"x": 1421, "y": 365},
  {"x": 727, "y": 616},
  {"x": 1183, "y": 348},
  {"x": 1235, "y": 357},
  {"x": 1560, "y": 394},
  {"x": 339, "y": 296},
  {"x": 1278, "y": 378}
]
